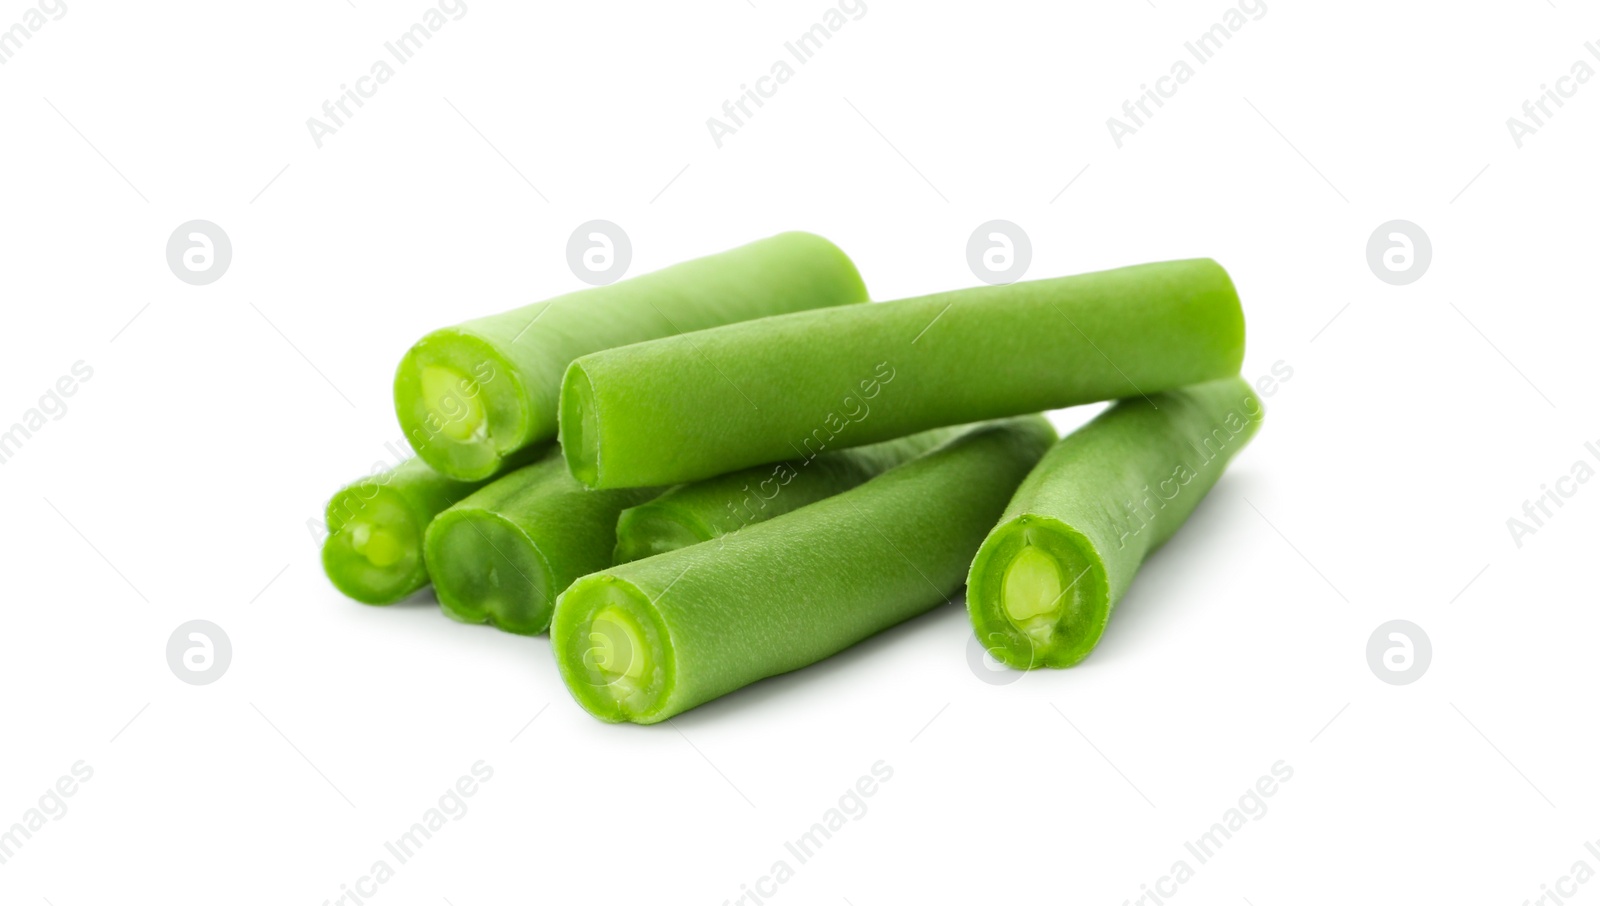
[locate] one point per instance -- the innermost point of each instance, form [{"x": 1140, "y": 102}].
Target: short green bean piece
[
  {"x": 692, "y": 513},
  {"x": 503, "y": 554},
  {"x": 649, "y": 639},
  {"x": 1045, "y": 581},
  {"x": 373, "y": 552},
  {"x": 470, "y": 395},
  {"x": 686, "y": 408}
]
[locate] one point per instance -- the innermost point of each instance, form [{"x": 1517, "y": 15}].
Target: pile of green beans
[{"x": 756, "y": 468}]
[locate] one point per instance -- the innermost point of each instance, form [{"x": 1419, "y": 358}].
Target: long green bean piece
[
  {"x": 689, "y": 407},
  {"x": 1043, "y": 585},
  {"x": 704, "y": 510},
  {"x": 470, "y": 395},
  {"x": 649, "y": 639}
]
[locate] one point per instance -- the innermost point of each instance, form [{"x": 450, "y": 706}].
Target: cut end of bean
[
  {"x": 461, "y": 407},
  {"x": 611, "y": 648},
  {"x": 378, "y": 545},
  {"x": 646, "y": 530},
  {"x": 1031, "y": 592},
  {"x": 486, "y": 570},
  {"x": 580, "y": 426},
  {"x": 373, "y": 552},
  {"x": 1037, "y": 595},
  {"x": 460, "y": 416},
  {"x": 617, "y": 649}
]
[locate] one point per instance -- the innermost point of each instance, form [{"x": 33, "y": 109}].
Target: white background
[{"x": 180, "y": 481}]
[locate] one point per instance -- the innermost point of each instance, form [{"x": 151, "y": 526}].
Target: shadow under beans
[{"x": 422, "y": 597}]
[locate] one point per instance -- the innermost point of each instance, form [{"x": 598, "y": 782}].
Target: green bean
[
  {"x": 693, "y": 513},
  {"x": 1043, "y": 585},
  {"x": 503, "y": 554},
  {"x": 689, "y": 407},
  {"x": 649, "y": 639},
  {"x": 470, "y": 395}
]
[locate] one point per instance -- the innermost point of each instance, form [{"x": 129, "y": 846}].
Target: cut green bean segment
[
  {"x": 502, "y": 555},
  {"x": 373, "y": 552},
  {"x": 686, "y": 408},
  {"x": 1043, "y": 586},
  {"x": 692, "y": 513},
  {"x": 649, "y": 639},
  {"x": 470, "y": 395}
]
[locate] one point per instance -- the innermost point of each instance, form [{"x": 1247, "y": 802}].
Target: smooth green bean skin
[
  {"x": 685, "y": 408},
  {"x": 468, "y": 396},
  {"x": 649, "y": 639},
  {"x": 373, "y": 552},
  {"x": 503, "y": 554},
  {"x": 692, "y": 513},
  {"x": 1044, "y": 583}
]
